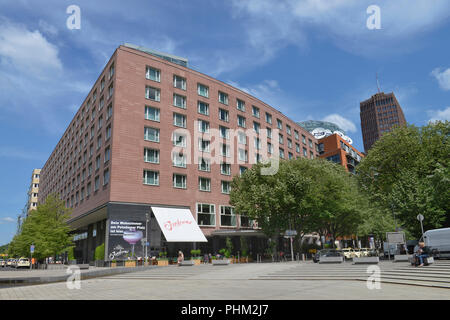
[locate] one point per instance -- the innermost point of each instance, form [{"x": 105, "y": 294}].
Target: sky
[{"x": 310, "y": 59}]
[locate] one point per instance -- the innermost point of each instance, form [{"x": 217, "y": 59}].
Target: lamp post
[{"x": 146, "y": 236}]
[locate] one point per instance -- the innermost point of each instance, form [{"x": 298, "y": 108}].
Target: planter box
[
  {"x": 223, "y": 262},
  {"x": 113, "y": 264},
  {"x": 331, "y": 259},
  {"x": 197, "y": 262},
  {"x": 401, "y": 258},
  {"x": 244, "y": 260},
  {"x": 163, "y": 262},
  {"x": 130, "y": 263},
  {"x": 187, "y": 263},
  {"x": 366, "y": 260}
]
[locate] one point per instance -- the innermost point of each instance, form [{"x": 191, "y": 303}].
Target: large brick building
[
  {"x": 153, "y": 133},
  {"x": 378, "y": 115}
]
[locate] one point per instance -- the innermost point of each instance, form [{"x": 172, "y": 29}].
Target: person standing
[{"x": 180, "y": 256}]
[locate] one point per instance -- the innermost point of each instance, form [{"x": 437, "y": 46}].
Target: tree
[
  {"x": 305, "y": 195},
  {"x": 407, "y": 171},
  {"x": 46, "y": 228}
]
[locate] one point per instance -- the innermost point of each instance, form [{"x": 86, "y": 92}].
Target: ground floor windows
[{"x": 206, "y": 214}]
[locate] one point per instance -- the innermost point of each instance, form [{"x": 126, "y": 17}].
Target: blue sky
[{"x": 311, "y": 59}]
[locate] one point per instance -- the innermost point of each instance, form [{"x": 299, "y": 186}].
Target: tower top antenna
[{"x": 378, "y": 83}]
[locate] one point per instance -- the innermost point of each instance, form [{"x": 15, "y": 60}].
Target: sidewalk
[{"x": 28, "y": 277}]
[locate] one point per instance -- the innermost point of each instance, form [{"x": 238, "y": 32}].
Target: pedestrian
[
  {"x": 205, "y": 258},
  {"x": 180, "y": 256}
]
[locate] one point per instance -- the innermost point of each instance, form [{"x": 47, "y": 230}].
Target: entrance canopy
[{"x": 178, "y": 225}]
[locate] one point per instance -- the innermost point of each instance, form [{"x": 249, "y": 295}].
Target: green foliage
[
  {"x": 46, "y": 228},
  {"x": 196, "y": 253},
  {"x": 229, "y": 245},
  {"x": 4, "y": 248},
  {"x": 162, "y": 255},
  {"x": 407, "y": 172},
  {"x": 244, "y": 247},
  {"x": 305, "y": 195},
  {"x": 70, "y": 254},
  {"x": 100, "y": 252}
]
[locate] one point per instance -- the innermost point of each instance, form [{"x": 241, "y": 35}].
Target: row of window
[
  {"x": 151, "y": 178},
  {"x": 206, "y": 216},
  {"x": 85, "y": 193}
]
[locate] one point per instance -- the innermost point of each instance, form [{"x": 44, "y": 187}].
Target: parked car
[
  {"x": 2, "y": 263},
  {"x": 349, "y": 253},
  {"x": 10, "y": 262},
  {"x": 438, "y": 240},
  {"x": 23, "y": 263},
  {"x": 326, "y": 253},
  {"x": 365, "y": 252}
]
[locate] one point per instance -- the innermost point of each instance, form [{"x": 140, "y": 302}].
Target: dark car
[{"x": 326, "y": 253}]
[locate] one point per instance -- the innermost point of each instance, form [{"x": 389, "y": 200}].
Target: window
[
  {"x": 179, "y": 181},
  {"x": 179, "y": 159},
  {"x": 280, "y": 138},
  {"x": 289, "y": 142},
  {"x": 179, "y": 139},
  {"x": 296, "y": 134},
  {"x": 203, "y": 108},
  {"x": 297, "y": 148},
  {"x": 204, "y": 184},
  {"x": 204, "y": 164},
  {"x": 242, "y": 169},
  {"x": 223, "y": 98},
  {"x": 241, "y": 121},
  {"x": 279, "y": 124},
  {"x": 151, "y": 155},
  {"x": 281, "y": 153},
  {"x": 257, "y": 143},
  {"x": 223, "y": 115},
  {"x": 99, "y": 142},
  {"x": 108, "y": 132},
  {"x": 179, "y": 120},
  {"x": 224, "y": 150},
  {"x": 225, "y": 168},
  {"x": 97, "y": 163},
  {"x": 179, "y": 101},
  {"x": 92, "y": 132},
  {"x": 110, "y": 91},
  {"x": 153, "y": 74},
  {"x": 151, "y": 113},
  {"x": 255, "y": 111},
  {"x": 243, "y": 156},
  {"x": 179, "y": 82},
  {"x": 288, "y": 129},
  {"x": 151, "y": 178},
  {"x": 202, "y": 90},
  {"x": 227, "y": 216},
  {"x": 256, "y": 127},
  {"x": 96, "y": 183},
  {"x": 310, "y": 143},
  {"x": 152, "y": 93},
  {"x": 102, "y": 84},
  {"x": 106, "y": 177},
  {"x": 268, "y": 118},
  {"x": 91, "y": 150},
  {"x": 226, "y": 187},
  {"x": 109, "y": 112},
  {"x": 89, "y": 169},
  {"x": 151, "y": 134},
  {"x": 206, "y": 214},
  {"x": 269, "y": 133},
  {"x": 305, "y": 153},
  {"x": 242, "y": 138},
  {"x": 240, "y": 105},
  {"x": 203, "y": 126},
  {"x": 290, "y": 155},
  {"x": 88, "y": 190},
  {"x": 107, "y": 154},
  {"x": 269, "y": 148},
  {"x": 311, "y": 155},
  {"x": 111, "y": 71},
  {"x": 303, "y": 139},
  {"x": 203, "y": 145},
  {"x": 224, "y": 132},
  {"x": 100, "y": 123}
]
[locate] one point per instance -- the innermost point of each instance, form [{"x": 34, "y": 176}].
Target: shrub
[
  {"x": 100, "y": 252},
  {"x": 70, "y": 254}
]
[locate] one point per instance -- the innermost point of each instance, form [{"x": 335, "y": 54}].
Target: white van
[{"x": 439, "y": 242}]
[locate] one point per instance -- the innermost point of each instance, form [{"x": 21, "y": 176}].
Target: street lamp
[{"x": 147, "y": 214}]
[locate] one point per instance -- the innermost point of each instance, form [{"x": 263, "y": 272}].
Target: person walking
[{"x": 180, "y": 256}]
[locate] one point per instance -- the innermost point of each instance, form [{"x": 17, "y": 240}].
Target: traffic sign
[
  {"x": 420, "y": 217},
  {"x": 290, "y": 233},
  {"x": 32, "y": 248}
]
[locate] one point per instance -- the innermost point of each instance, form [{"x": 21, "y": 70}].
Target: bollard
[{"x": 303, "y": 257}]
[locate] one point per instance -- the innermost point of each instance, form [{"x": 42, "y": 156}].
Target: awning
[{"x": 178, "y": 225}]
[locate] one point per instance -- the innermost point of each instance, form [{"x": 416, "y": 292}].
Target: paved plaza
[{"x": 275, "y": 281}]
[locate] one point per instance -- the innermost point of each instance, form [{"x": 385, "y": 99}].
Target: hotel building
[{"x": 155, "y": 139}]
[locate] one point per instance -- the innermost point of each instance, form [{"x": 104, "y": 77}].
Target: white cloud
[
  {"x": 47, "y": 28},
  {"x": 443, "y": 78},
  {"x": 439, "y": 114},
  {"x": 7, "y": 220},
  {"x": 288, "y": 22},
  {"x": 343, "y": 123},
  {"x": 27, "y": 51}
]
